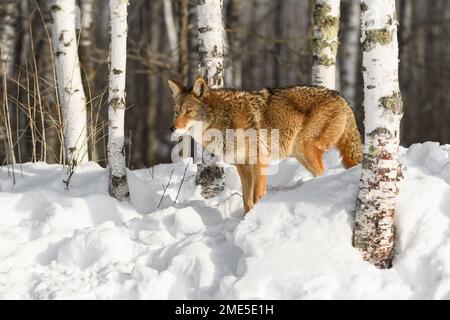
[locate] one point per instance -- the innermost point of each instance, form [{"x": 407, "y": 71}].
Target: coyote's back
[{"x": 310, "y": 120}]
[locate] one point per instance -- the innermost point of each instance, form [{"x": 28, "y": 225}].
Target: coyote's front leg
[
  {"x": 260, "y": 180},
  {"x": 246, "y": 173}
]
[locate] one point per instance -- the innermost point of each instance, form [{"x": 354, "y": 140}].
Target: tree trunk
[
  {"x": 235, "y": 26},
  {"x": 118, "y": 185},
  {"x": 325, "y": 42},
  {"x": 408, "y": 73},
  {"x": 279, "y": 22},
  {"x": 8, "y": 18},
  {"x": 70, "y": 86},
  {"x": 171, "y": 27},
  {"x": 210, "y": 176},
  {"x": 47, "y": 85},
  {"x": 88, "y": 69},
  {"x": 374, "y": 222},
  {"x": 350, "y": 50},
  {"x": 183, "y": 38},
  {"x": 152, "y": 38},
  {"x": 86, "y": 37}
]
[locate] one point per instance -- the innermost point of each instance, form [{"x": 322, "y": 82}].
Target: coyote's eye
[{"x": 188, "y": 112}]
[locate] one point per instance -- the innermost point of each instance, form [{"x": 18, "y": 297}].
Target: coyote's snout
[{"x": 310, "y": 120}]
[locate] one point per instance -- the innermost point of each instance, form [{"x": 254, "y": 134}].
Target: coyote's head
[{"x": 190, "y": 105}]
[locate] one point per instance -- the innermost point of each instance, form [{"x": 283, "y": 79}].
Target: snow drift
[{"x": 296, "y": 243}]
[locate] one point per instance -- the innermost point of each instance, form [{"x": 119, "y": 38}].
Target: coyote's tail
[{"x": 349, "y": 144}]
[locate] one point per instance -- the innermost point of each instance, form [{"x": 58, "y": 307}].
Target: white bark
[
  {"x": 171, "y": 27},
  {"x": 70, "y": 87},
  {"x": 118, "y": 186},
  {"x": 350, "y": 52},
  {"x": 211, "y": 41},
  {"x": 374, "y": 224},
  {"x": 211, "y": 67},
  {"x": 325, "y": 42}
]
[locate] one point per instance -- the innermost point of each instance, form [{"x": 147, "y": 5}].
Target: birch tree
[
  {"x": 325, "y": 42},
  {"x": 210, "y": 176},
  {"x": 350, "y": 50},
  {"x": 374, "y": 222},
  {"x": 118, "y": 185},
  {"x": 70, "y": 86}
]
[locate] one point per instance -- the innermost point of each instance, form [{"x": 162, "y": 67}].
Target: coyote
[{"x": 310, "y": 120}]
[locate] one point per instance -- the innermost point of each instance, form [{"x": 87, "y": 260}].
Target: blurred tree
[{"x": 350, "y": 48}]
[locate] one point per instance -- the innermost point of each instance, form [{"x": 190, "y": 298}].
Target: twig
[
  {"x": 130, "y": 144},
  {"x": 70, "y": 172},
  {"x": 165, "y": 189},
  {"x": 182, "y": 181},
  {"x": 152, "y": 164}
]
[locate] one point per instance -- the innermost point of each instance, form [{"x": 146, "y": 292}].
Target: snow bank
[{"x": 296, "y": 243}]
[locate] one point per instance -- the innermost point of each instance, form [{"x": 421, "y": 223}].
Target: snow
[{"x": 296, "y": 244}]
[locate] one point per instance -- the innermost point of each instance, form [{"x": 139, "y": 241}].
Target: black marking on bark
[
  {"x": 210, "y": 178},
  {"x": 55, "y": 7},
  {"x": 117, "y": 71},
  {"x": 205, "y": 29},
  {"x": 66, "y": 44},
  {"x": 381, "y": 132},
  {"x": 118, "y": 183},
  {"x": 117, "y": 103},
  {"x": 364, "y": 7}
]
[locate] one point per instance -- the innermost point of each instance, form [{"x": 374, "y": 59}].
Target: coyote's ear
[
  {"x": 176, "y": 87},
  {"x": 200, "y": 89}
]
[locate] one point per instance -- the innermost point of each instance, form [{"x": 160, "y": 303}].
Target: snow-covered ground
[{"x": 295, "y": 244}]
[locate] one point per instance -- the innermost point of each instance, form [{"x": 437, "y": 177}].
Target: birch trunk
[
  {"x": 325, "y": 42},
  {"x": 118, "y": 185},
  {"x": 350, "y": 50},
  {"x": 210, "y": 176},
  {"x": 374, "y": 222},
  {"x": 70, "y": 86}
]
